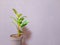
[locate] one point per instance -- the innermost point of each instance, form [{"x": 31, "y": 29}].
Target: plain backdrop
[{"x": 44, "y": 17}]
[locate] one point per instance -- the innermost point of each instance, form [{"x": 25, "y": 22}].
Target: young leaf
[
  {"x": 21, "y": 19},
  {"x": 15, "y": 11},
  {"x": 24, "y": 23},
  {"x": 15, "y": 20},
  {"x": 19, "y": 15}
]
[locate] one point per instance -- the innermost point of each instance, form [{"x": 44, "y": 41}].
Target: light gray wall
[{"x": 44, "y": 16}]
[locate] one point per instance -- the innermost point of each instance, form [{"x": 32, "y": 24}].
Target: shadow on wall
[{"x": 27, "y": 35}]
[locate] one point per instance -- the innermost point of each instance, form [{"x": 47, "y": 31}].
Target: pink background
[{"x": 44, "y": 17}]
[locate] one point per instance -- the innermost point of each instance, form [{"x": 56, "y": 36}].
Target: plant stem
[{"x": 19, "y": 31}]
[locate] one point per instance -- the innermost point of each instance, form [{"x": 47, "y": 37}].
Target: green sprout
[{"x": 20, "y": 21}]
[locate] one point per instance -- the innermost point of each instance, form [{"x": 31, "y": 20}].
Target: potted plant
[{"x": 21, "y": 22}]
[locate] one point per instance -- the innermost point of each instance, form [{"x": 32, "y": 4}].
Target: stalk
[{"x": 19, "y": 31}]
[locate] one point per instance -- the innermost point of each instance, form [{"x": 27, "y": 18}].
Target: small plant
[{"x": 20, "y": 21}]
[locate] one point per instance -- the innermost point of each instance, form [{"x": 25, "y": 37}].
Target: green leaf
[
  {"x": 20, "y": 20},
  {"x": 19, "y": 15},
  {"x": 15, "y": 20},
  {"x": 24, "y": 23},
  {"x": 15, "y": 11}
]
